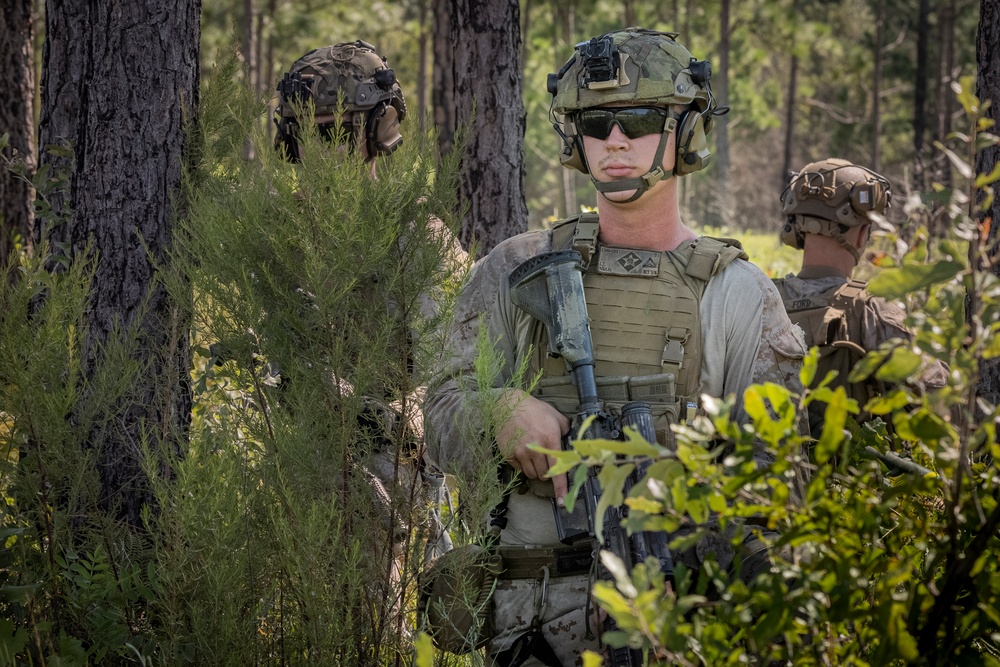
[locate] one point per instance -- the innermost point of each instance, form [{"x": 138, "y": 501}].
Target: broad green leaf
[
  {"x": 867, "y": 365},
  {"x": 612, "y": 478},
  {"x": 835, "y": 417},
  {"x": 902, "y": 364},
  {"x": 921, "y": 425},
  {"x": 423, "y": 650},
  {"x": 565, "y": 460},
  {"x": 883, "y": 405},
  {"x": 597, "y": 448},
  {"x": 635, "y": 446},
  {"x": 611, "y": 600},
  {"x": 992, "y": 349},
  {"x": 666, "y": 471},
  {"x": 896, "y": 283},
  {"x": 809, "y": 365},
  {"x": 986, "y": 179},
  {"x": 698, "y": 510},
  {"x": 623, "y": 578},
  {"x": 647, "y": 505},
  {"x": 576, "y": 483}
]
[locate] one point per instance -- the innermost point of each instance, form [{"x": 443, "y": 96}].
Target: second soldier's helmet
[
  {"x": 829, "y": 197},
  {"x": 642, "y": 68},
  {"x": 348, "y": 77}
]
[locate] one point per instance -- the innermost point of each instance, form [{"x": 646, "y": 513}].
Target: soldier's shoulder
[{"x": 507, "y": 254}]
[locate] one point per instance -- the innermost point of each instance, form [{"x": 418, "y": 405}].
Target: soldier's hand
[{"x": 532, "y": 422}]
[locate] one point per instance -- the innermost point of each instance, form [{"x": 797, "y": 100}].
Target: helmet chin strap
[{"x": 640, "y": 184}]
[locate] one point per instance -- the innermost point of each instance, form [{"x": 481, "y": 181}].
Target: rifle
[{"x": 549, "y": 287}]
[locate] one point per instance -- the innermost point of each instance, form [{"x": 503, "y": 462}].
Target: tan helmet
[
  {"x": 351, "y": 77},
  {"x": 645, "y": 68},
  {"x": 828, "y": 198}
]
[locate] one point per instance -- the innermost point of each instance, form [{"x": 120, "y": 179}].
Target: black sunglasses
[{"x": 635, "y": 122}]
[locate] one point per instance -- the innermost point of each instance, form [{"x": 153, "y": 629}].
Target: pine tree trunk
[
  {"x": 481, "y": 73},
  {"x": 793, "y": 84},
  {"x": 720, "y": 84},
  {"x": 119, "y": 80},
  {"x": 877, "y": 84},
  {"x": 988, "y": 88},
  {"x": 17, "y": 96},
  {"x": 920, "y": 93},
  {"x": 564, "y": 20},
  {"x": 946, "y": 61}
]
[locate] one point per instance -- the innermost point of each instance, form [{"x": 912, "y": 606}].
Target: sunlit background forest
[{"x": 865, "y": 80}]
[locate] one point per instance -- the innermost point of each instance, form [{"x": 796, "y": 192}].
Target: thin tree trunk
[
  {"x": 793, "y": 84},
  {"x": 563, "y": 24},
  {"x": 124, "y": 177},
  {"x": 877, "y": 84},
  {"x": 920, "y": 93},
  {"x": 17, "y": 96},
  {"x": 247, "y": 47},
  {"x": 443, "y": 90},
  {"x": 988, "y": 88},
  {"x": 721, "y": 87},
  {"x": 946, "y": 60},
  {"x": 422, "y": 64}
]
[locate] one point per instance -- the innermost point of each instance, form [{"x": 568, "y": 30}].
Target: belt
[{"x": 526, "y": 562}]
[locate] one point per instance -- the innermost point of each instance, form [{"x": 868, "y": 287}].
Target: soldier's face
[{"x": 618, "y": 157}]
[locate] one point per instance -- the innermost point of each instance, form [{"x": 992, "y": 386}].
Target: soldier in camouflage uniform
[
  {"x": 351, "y": 94},
  {"x": 672, "y": 314},
  {"x": 827, "y": 207}
]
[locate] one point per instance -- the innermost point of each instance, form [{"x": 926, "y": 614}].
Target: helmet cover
[
  {"x": 349, "y": 77},
  {"x": 643, "y": 68},
  {"x": 829, "y": 197}
]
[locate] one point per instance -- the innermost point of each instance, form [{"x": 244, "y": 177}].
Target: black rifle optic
[{"x": 549, "y": 287}]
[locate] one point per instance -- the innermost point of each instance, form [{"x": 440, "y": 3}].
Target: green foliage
[
  {"x": 873, "y": 566},
  {"x": 294, "y": 527},
  {"x": 74, "y": 586}
]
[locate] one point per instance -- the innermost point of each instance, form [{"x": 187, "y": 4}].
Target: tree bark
[
  {"x": 477, "y": 47},
  {"x": 920, "y": 93},
  {"x": 17, "y": 96},
  {"x": 988, "y": 88},
  {"x": 946, "y": 64},
  {"x": 793, "y": 84},
  {"x": 119, "y": 81},
  {"x": 563, "y": 24},
  {"x": 877, "y": 84},
  {"x": 721, "y": 87}
]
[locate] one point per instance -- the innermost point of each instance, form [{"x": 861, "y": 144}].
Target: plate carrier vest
[
  {"x": 644, "y": 312},
  {"x": 834, "y": 323}
]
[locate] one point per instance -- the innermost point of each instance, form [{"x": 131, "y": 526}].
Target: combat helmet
[
  {"x": 644, "y": 68},
  {"x": 828, "y": 198},
  {"x": 349, "y": 77}
]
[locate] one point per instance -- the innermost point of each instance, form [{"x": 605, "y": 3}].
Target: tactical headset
[
  {"x": 349, "y": 79},
  {"x": 639, "y": 67}
]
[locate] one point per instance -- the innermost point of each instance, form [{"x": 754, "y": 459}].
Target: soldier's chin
[{"x": 618, "y": 197}]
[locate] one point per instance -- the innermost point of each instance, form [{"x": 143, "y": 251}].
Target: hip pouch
[{"x": 454, "y": 605}]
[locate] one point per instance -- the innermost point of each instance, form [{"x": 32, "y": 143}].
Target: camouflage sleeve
[
  {"x": 453, "y": 409},
  {"x": 748, "y": 337}
]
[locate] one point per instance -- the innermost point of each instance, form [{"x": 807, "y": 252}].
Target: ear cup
[
  {"x": 873, "y": 195},
  {"x": 383, "y": 134},
  {"x": 692, "y": 144}
]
